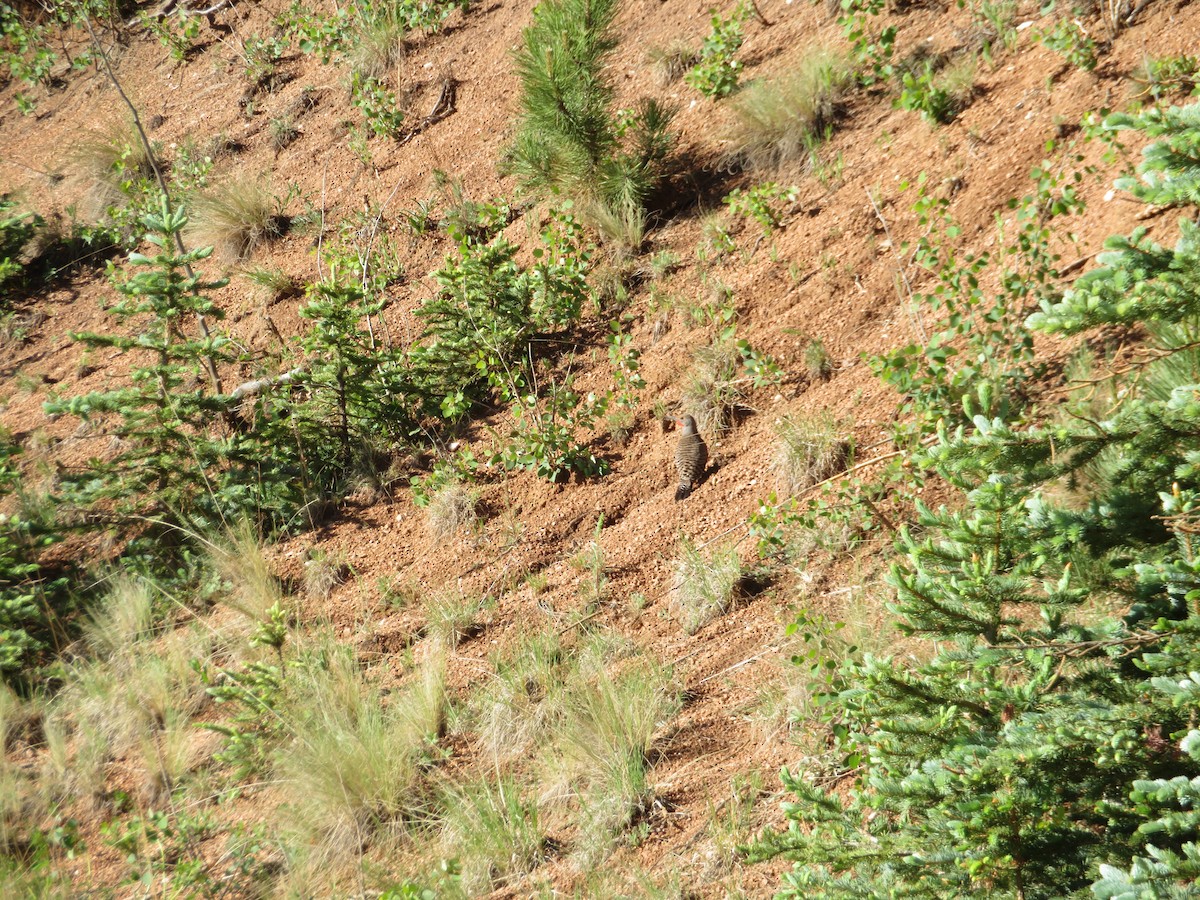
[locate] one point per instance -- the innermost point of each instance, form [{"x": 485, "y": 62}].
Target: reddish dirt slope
[{"x": 829, "y": 273}]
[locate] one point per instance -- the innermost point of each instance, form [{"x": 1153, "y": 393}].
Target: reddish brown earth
[{"x": 829, "y": 273}]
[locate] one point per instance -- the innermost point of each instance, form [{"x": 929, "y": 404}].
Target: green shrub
[
  {"x": 568, "y": 139},
  {"x": 175, "y": 460},
  {"x": 1070, "y": 40},
  {"x": 717, "y": 72},
  {"x": 377, "y": 104},
  {"x": 1038, "y": 745},
  {"x": 32, "y": 601},
  {"x": 16, "y": 230}
]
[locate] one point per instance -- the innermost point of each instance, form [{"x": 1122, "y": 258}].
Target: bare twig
[{"x": 209, "y": 364}]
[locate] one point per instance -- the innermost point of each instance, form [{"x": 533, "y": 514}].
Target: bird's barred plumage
[{"x": 691, "y": 457}]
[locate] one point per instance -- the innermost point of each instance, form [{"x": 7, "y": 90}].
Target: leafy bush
[
  {"x": 1069, "y": 39},
  {"x": 378, "y": 105},
  {"x": 479, "y": 327},
  {"x": 716, "y": 74},
  {"x": 982, "y": 348},
  {"x": 759, "y": 203},
  {"x": 938, "y": 95}
]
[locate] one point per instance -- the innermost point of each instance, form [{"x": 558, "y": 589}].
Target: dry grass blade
[
  {"x": 704, "y": 586},
  {"x": 450, "y": 510},
  {"x": 492, "y": 830}
]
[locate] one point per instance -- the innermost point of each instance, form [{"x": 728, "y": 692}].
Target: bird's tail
[{"x": 683, "y": 491}]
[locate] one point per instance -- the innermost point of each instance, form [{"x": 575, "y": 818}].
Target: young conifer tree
[
  {"x": 1045, "y": 749},
  {"x": 569, "y": 141},
  {"x": 168, "y": 446}
]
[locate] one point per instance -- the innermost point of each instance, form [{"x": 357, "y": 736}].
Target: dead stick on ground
[{"x": 744, "y": 662}]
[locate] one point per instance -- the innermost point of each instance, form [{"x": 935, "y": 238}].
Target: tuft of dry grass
[
  {"x": 817, "y": 362},
  {"x": 602, "y": 745},
  {"x": 322, "y": 573},
  {"x": 354, "y": 768},
  {"x": 451, "y": 617},
  {"x": 252, "y": 588},
  {"x": 451, "y": 510},
  {"x": 514, "y": 711},
  {"x": 236, "y": 216},
  {"x": 493, "y": 830},
  {"x": 712, "y": 388},
  {"x": 811, "y": 449},
  {"x": 704, "y": 585},
  {"x": 672, "y": 61},
  {"x": 777, "y": 123},
  {"x": 621, "y": 225},
  {"x": 103, "y": 162},
  {"x": 123, "y": 618}
]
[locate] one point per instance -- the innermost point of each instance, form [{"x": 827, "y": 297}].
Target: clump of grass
[
  {"x": 811, "y": 449},
  {"x": 817, "y": 362},
  {"x": 272, "y": 282},
  {"x": 672, "y": 61},
  {"x": 19, "y": 801},
  {"x": 283, "y": 132},
  {"x": 777, "y": 123},
  {"x": 590, "y": 561},
  {"x": 451, "y": 617},
  {"x": 730, "y": 822},
  {"x": 603, "y": 742},
  {"x": 140, "y": 695},
  {"x": 355, "y": 764},
  {"x": 958, "y": 81},
  {"x": 515, "y": 710},
  {"x": 620, "y": 223},
  {"x": 123, "y": 618},
  {"x": 492, "y": 830},
  {"x": 379, "y": 43},
  {"x": 237, "y": 216},
  {"x": 712, "y": 388},
  {"x": 704, "y": 585},
  {"x": 398, "y": 593},
  {"x": 450, "y": 510},
  {"x": 322, "y": 573},
  {"x": 104, "y": 162}
]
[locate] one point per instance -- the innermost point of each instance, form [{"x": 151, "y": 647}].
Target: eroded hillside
[{"x": 439, "y": 664}]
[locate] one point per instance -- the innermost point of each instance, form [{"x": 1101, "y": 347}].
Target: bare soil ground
[{"x": 829, "y": 273}]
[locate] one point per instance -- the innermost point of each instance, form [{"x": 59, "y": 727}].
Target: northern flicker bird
[{"x": 691, "y": 457}]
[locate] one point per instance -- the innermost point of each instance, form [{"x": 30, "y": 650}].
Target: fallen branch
[
  {"x": 443, "y": 107},
  {"x": 250, "y": 388}
]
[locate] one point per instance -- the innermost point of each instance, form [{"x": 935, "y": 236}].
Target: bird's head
[{"x": 687, "y": 423}]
